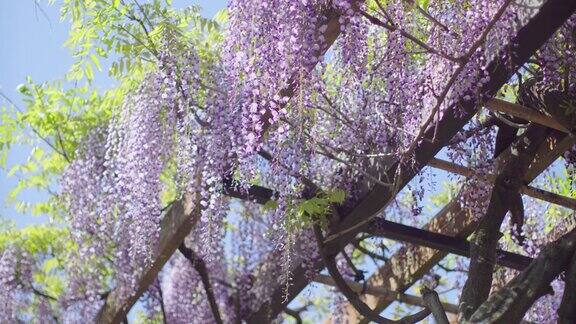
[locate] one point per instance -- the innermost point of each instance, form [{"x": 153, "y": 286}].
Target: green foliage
[
  {"x": 444, "y": 196},
  {"x": 142, "y": 318},
  {"x": 49, "y": 246},
  {"x": 313, "y": 210},
  {"x": 123, "y": 36},
  {"x": 131, "y": 34},
  {"x": 52, "y": 124},
  {"x": 563, "y": 185}
]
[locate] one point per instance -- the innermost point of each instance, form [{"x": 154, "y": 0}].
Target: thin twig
[
  {"x": 462, "y": 63},
  {"x": 162, "y": 307},
  {"x": 369, "y": 253},
  {"x": 45, "y": 140},
  {"x": 200, "y": 267},
  {"x": 374, "y": 20},
  {"x": 353, "y": 298}
]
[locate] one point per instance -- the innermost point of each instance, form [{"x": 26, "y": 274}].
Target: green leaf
[
  {"x": 94, "y": 58},
  {"x": 50, "y": 264},
  {"x": 337, "y": 196},
  {"x": 270, "y": 205}
]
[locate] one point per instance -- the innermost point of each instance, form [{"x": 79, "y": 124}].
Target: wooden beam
[
  {"x": 528, "y": 190},
  {"x": 257, "y": 194},
  {"x": 383, "y": 293},
  {"x": 528, "y": 39},
  {"x": 525, "y": 113},
  {"x": 550, "y": 197},
  {"x": 456, "y": 245}
]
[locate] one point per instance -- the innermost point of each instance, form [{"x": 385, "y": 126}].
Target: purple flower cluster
[
  {"x": 271, "y": 46},
  {"x": 16, "y": 268}
]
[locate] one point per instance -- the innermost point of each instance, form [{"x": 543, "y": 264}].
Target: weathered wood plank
[
  {"x": 525, "y": 113},
  {"x": 377, "y": 291},
  {"x": 456, "y": 245},
  {"x": 529, "y": 191}
]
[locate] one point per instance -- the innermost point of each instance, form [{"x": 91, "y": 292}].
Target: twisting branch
[
  {"x": 435, "y": 21},
  {"x": 524, "y": 113},
  {"x": 369, "y": 253},
  {"x": 358, "y": 274},
  {"x": 295, "y": 313},
  {"x": 510, "y": 304},
  {"x": 330, "y": 262},
  {"x": 507, "y": 121},
  {"x": 374, "y": 20},
  {"x": 384, "y": 12},
  {"x": 567, "y": 310},
  {"x": 384, "y": 293},
  {"x": 434, "y": 305},
  {"x": 200, "y": 267},
  {"x": 43, "y": 294},
  {"x": 353, "y": 298},
  {"x": 505, "y": 196}
]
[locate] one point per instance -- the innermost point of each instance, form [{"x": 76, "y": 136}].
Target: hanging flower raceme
[
  {"x": 16, "y": 268},
  {"x": 185, "y": 295},
  {"x": 270, "y": 48},
  {"x": 89, "y": 194},
  {"x": 112, "y": 189},
  {"x": 557, "y": 58}
]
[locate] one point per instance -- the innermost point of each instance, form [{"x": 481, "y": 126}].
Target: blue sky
[{"x": 31, "y": 44}]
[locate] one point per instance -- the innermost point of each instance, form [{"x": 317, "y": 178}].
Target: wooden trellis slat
[
  {"x": 525, "y": 113},
  {"x": 549, "y": 197},
  {"x": 529, "y": 38},
  {"x": 410, "y": 263},
  {"x": 456, "y": 245},
  {"x": 383, "y": 293},
  {"x": 528, "y": 190}
]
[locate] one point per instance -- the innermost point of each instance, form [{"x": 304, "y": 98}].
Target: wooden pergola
[{"x": 538, "y": 147}]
